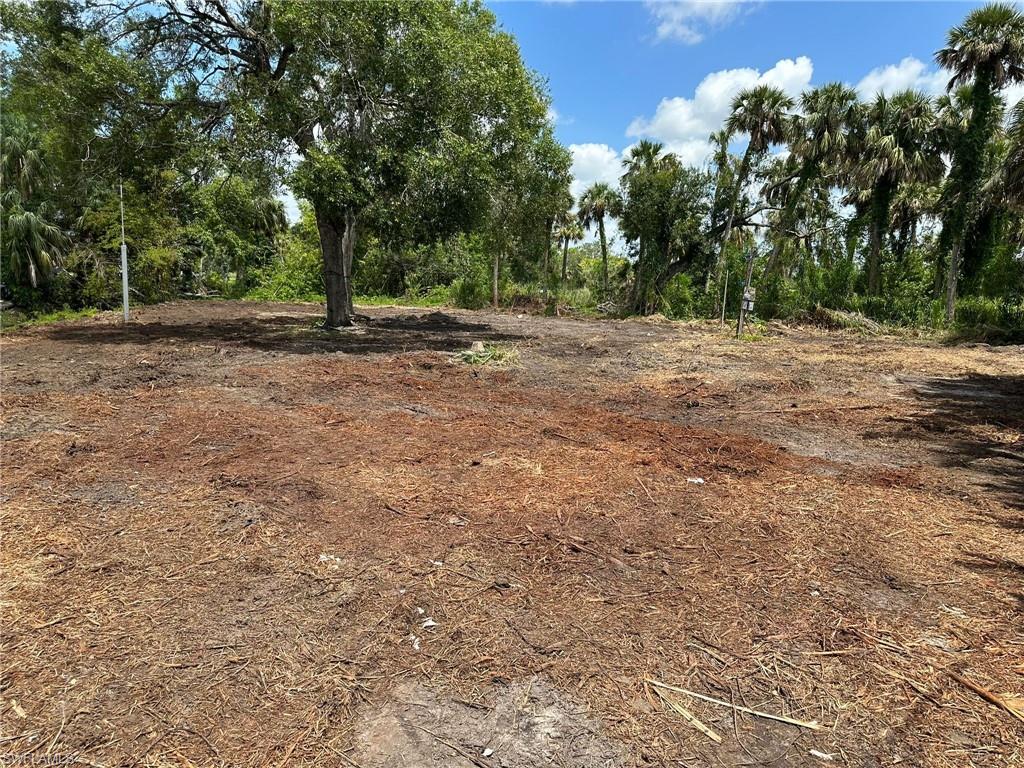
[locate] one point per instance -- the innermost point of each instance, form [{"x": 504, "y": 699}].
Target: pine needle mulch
[{"x": 232, "y": 569}]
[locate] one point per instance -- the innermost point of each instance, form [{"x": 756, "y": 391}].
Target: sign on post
[
  {"x": 749, "y": 292},
  {"x": 748, "y": 299}
]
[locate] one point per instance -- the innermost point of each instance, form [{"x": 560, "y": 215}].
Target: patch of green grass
[
  {"x": 498, "y": 355},
  {"x": 438, "y": 297},
  {"x": 12, "y": 319}
]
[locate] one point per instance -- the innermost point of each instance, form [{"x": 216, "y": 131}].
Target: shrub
[
  {"x": 778, "y": 298},
  {"x": 981, "y": 312},
  {"x": 470, "y": 292},
  {"x": 677, "y": 298},
  {"x": 297, "y": 275}
]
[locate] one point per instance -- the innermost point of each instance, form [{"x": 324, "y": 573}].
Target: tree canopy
[{"x": 420, "y": 147}]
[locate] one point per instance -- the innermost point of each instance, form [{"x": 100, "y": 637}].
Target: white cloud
[
  {"x": 1013, "y": 94},
  {"x": 915, "y": 74},
  {"x": 909, "y": 73},
  {"x": 683, "y": 124},
  {"x": 687, "y": 22},
  {"x": 594, "y": 162},
  {"x": 557, "y": 118}
]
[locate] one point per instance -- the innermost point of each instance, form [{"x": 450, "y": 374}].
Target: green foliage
[
  {"x": 18, "y": 319},
  {"x": 294, "y": 274},
  {"x": 33, "y": 243},
  {"x": 429, "y": 173},
  {"x": 470, "y": 292},
  {"x": 677, "y": 298},
  {"x": 588, "y": 269},
  {"x": 981, "y": 312},
  {"x": 664, "y": 210}
]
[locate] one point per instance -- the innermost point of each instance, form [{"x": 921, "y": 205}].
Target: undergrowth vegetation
[{"x": 838, "y": 201}]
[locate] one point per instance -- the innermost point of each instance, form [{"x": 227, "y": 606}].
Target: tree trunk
[
  {"x": 874, "y": 257},
  {"x": 787, "y": 220},
  {"x": 604, "y": 256},
  {"x": 638, "y": 280},
  {"x": 549, "y": 223},
  {"x": 348, "y": 249},
  {"x": 880, "y": 206},
  {"x": 951, "y": 281},
  {"x": 740, "y": 180},
  {"x": 945, "y": 245},
  {"x": 337, "y": 241},
  {"x": 901, "y": 243},
  {"x": 565, "y": 258},
  {"x": 746, "y": 288},
  {"x": 495, "y": 276},
  {"x": 966, "y": 174}
]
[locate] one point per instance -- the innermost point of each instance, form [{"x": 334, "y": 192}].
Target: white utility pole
[{"x": 124, "y": 258}]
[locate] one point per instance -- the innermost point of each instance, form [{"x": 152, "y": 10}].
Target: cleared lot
[{"x": 232, "y": 539}]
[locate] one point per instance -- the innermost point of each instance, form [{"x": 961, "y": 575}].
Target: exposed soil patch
[
  {"x": 525, "y": 724},
  {"x": 230, "y": 538}
]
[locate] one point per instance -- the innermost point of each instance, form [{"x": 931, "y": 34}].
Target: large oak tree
[{"x": 380, "y": 104}]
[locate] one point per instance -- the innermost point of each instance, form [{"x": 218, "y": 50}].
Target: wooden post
[{"x": 725, "y": 294}]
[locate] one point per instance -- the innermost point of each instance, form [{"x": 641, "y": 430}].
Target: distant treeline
[{"x": 421, "y": 147}]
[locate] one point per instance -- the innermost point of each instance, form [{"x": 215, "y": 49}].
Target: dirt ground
[{"x": 232, "y": 539}]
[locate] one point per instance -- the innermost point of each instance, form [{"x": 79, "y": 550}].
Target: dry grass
[{"x": 231, "y": 562}]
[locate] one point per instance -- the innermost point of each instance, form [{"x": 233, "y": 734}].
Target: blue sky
[{"x": 621, "y": 71}]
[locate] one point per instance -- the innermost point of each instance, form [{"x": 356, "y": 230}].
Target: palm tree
[
  {"x": 645, "y": 154},
  {"x": 568, "y": 231},
  {"x": 269, "y": 216},
  {"x": 32, "y": 244},
  {"x": 644, "y": 157},
  {"x": 762, "y": 112},
  {"x": 819, "y": 138},
  {"x": 987, "y": 51},
  {"x": 899, "y": 149},
  {"x": 724, "y": 173},
  {"x": 909, "y": 205},
  {"x": 598, "y": 200},
  {"x": 1013, "y": 167}
]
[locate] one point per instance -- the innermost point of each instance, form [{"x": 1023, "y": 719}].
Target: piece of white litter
[
  {"x": 822, "y": 755},
  {"x": 415, "y": 642},
  {"x": 429, "y": 623},
  {"x": 420, "y": 611},
  {"x": 695, "y": 480},
  {"x": 487, "y": 752},
  {"x": 438, "y": 563}
]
